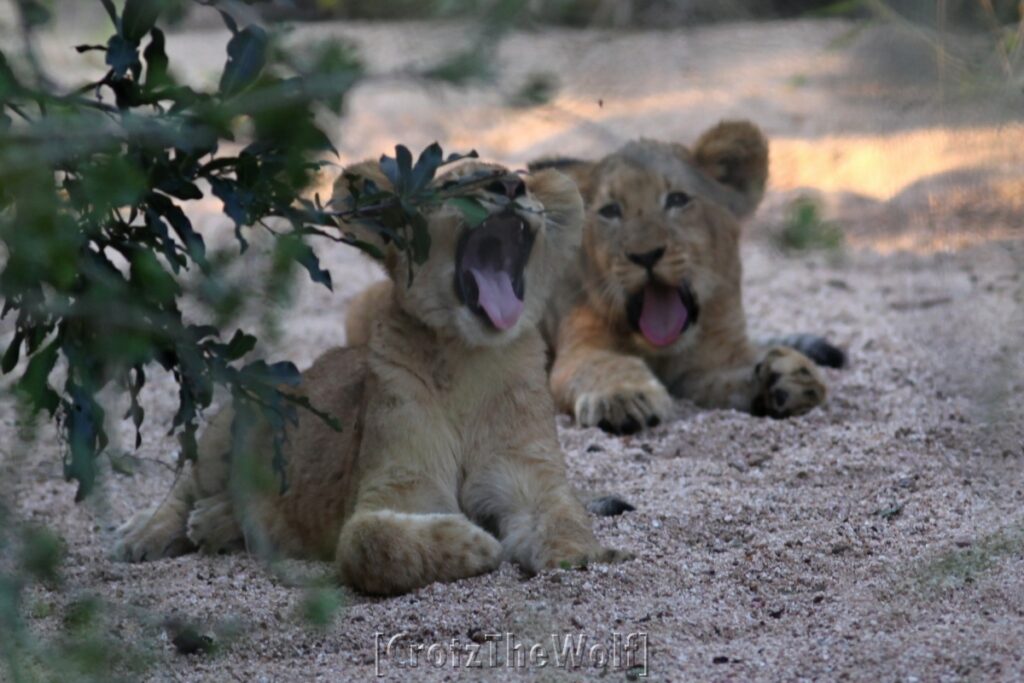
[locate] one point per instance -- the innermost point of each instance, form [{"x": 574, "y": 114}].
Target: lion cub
[
  {"x": 653, "y": 307},
  {"x": 449, "y": 461}
]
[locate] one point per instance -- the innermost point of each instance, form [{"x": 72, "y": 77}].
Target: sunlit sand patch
[
  {"x": 927, "y": 243},
  {"x": 881, "y": 166}
]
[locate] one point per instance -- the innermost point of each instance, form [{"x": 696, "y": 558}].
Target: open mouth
[
  {"x": 490, "y": 260},
  {"x": 662, "y": 313}
]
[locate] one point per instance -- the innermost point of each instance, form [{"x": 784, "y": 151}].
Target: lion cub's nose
[
  {"x": 648, "y": 258},
  {"x": 512, "y": 187}
]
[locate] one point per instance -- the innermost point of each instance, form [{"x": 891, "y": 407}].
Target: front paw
[
  {"x": 788, "y": 384},
  {"x": 151, "y": 535},
  {"x": 625, "y": 409},
  {"x": 596, "y": 556}
]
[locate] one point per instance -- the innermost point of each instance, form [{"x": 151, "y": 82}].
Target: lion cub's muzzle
[
  {"x": 661, "y": 313},
  {"x": 490, "y": 262}
]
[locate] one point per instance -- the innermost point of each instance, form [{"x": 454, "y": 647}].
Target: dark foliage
[{"x": 92, "y": 185}]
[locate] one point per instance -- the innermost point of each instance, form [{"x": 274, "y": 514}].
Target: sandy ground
[{"x": 878, "y": 538}]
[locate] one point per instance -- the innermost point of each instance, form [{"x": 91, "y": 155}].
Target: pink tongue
[
  {"x": 663, "y": 315},
  {"x": 497, "y": 297}
]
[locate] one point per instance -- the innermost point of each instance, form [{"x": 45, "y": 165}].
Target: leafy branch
[{"x": 98, "y": 244}]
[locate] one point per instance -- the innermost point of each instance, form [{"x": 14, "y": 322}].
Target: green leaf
[
  {"x": 303, "y": 402},
  {"x": 181, "y": 225},
  {"x": 420, "y": 243},
  {"x": 135, "y": 410},
  {"x": 307, "y": 258},
  {"x": 111, "y": 12},
  {"x": 157, "y": 75},
  {"x": 83, "y": 425},
  {"x": 240, "y": 344},
  {"x": 398, "y": 170},
  {"x": 35, "y": 385},
  {"x": 229, "y": 21},
  {"x": 121, "y": 55},
  {"x": 472, "y": 211},
  {"x": 272, "y": 375},
  {"x": 426, "y": 167},
  {"x": 155, "y": 283},
  {"x": 8, "y": 81},
  {"x": 13, "y": 352},
  {"x": 247, "y": 55},
  {"x": 138, "y": 18}
]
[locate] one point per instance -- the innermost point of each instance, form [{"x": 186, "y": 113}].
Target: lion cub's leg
[
  {"x": 212, "y": 525},
  {"x": 406, "y": 529},
  {"x": 159, "y": 532},
  {"x": 542, "y": 525},
  {"x": 195, "y": 501},
  {"x": 516, "y": 484},
  {"x": 601, "y": 387},
  {"x": 782, "y": 383}
]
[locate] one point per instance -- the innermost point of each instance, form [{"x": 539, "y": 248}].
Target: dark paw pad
[
  {"x": 780, "y": 396},
  {"x": 629, "y": 426}
]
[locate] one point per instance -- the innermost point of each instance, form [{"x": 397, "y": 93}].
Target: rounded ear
[
  {"x": 355, "y": 179},
  {"x": 735, "y": 153},
  {"x": 581, "y": 172},
  {"x": 563, "y": 206}
]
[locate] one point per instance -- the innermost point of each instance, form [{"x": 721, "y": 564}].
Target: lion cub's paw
[
  {"x": 151, "y": 535},
  {"x": 386, "y": 552},
  {"x": 212, "y": 526},
  {"x": 625, "y": 409},
  {"x": 597, "y": 556},
  {"x": 788, "y": 384}
]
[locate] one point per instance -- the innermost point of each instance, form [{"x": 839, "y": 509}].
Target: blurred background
[{"x": 886, "y": 111}]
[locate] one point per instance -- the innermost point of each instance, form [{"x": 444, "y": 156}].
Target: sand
[{"x": 878, "y": 538}]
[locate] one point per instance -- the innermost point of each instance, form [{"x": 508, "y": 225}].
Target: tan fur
[
  {"x": 448, "y": 463},
  {"x": 605, "y": 372}
]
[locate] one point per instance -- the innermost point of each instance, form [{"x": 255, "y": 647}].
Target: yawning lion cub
[{"x": 448, "y": 462}]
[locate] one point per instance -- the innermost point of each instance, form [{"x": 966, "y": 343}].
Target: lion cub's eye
[
  {"x": 675, "y": 200},
  {"x": 611, "y": 210}
]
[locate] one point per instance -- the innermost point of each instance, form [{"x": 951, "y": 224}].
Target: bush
[{"x": 97, "y": 242}]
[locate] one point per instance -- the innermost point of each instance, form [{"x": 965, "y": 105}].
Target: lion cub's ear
[
  {"x": 581, "y": 172},
  {"x": 735, "y": 153},
  {"x": 356, "y": 177},
  {"x": 563, "y": 208}
]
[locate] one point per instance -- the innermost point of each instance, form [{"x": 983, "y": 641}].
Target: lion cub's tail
[
  {"x": 606, "y": 506},
  {"x": 814, "y": 346}
]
